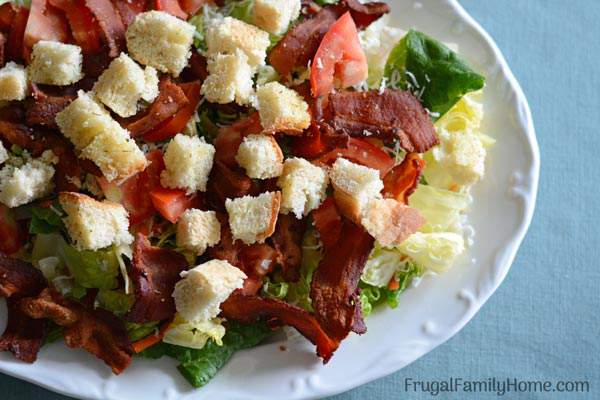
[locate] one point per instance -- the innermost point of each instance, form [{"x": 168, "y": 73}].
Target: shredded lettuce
[
  {"x": 140, "y": 331},
  {"x": 194, "y": 335},
  {"x": 299, "y": 292},
  {"x": 275, "y": 290},
  {"x": 443, "y": 209},
  {"x": 435, "y": 251},
  {"x": 199, "y": 366},
  {"x": 381, "y": 266},
  {"x": 437, "y": 74}
]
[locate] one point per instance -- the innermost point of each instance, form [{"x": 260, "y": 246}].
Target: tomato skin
[
  {"x": 191, "y": 7},
  {"x": 171, "y": 203},
  {"x": 361, "y": 152},
  {"x": 11, "y": 233},
  {"x": 177, "y": 122},
  {"x": 84, "y": 27},
  {"x": 340, "y": 60},
  {"x": 172, "y": 7}
]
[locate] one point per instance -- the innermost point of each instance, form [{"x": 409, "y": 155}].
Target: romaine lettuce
[
  {"x": 93, "y": 269},
  {"x": 434, "y": 251},
  {"x": 381, "y": 266},
  {"x": 439, "y": 75},
  {"x": 115, "y": 301},
  {"x": 275, "y": 290},
  {"x": 194, "y": 335},
  {"x": 443, "y": 209},
  {"x": 140, "y": 331}
]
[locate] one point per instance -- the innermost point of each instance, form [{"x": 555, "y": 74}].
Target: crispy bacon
[
  {"x": 393, "y": 114},
  {"x": 42, "y": 110},
  {"x": 45, "y": 23},
  {"x": 170, "y": 100},
  {"x": 361, "y": 152},
  {"x": 154, "y": 272},
  {"x": 226, "y": 183},
  {"x": 364, "y": 14},
  {"x": 2, "y": 49},
  {"x": 301, "y": 42},
  {"x": 247, "y": 309},
  {"x": 287, "y": 240},
  {"x": 14, "y": 48},
  {"x": 334, "y": 288},
  {"x": 403, "y": 179},
  {"x": 95, "y": 330},
  {"x": 23, "y": 336},
  {"x": 129, "y": 9},
  {"x": 328, "y": 222},
  {"x": 170, "y": 6},
  {"x": 110, "y": 23},
  {"x": 84, "y": 27},
  {"x": 19, "y": 278},
  {"x": 7, "y": 14}
]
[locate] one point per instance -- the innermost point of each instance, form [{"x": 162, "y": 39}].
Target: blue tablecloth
[{"x": 544, "y": 321}]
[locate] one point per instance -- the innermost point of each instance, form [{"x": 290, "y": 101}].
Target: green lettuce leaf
[
  {"x": 93, "y": 269},
  {"x": 199, "y": 366},
  {"x": 275, "y": 290},
  {"x": 45, "y": 220},
  {"x": 439, "y": 75},
  {"x": 115, "y": 301},
  {"x": 435, "y": 251},
  {"x": 443, "y": 209},
  {"x": 140, "y": 331},
  {"x": 299, "y": 292},
  {"x": 194, "y": 335}
]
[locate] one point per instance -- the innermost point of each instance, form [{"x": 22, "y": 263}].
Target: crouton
[
  {"x": 391, "y": 222},
  {"x": 303, "y": 187},
  {"x": 94, "y": 225},
  {"x": 13, "y": 82},
  {"x": 253, "y": 219},
  {"x": 100, "y": 138},
  {"x": 281, "y": 109},
  {"x": 123, "y": 84},
  {"x": 3, "y": 154},
  {"x": 54, "y": 63},
  {"x": 229, "y": 79},
  {"x": 160, "y": 40},
  {"x": 150, "y": 92},
  {"x": 188, "y": 161},
  {"x": 229, "y": 34},
  {"x": 274, "y": 16},
  {"x": 199, "y": 294},
  {"x": 22, "y": 184},
  {"x": 197, "y": 230},
  {"x": 464, "y": 157},
  {"x": 354, "y": 186},
  {"x": 260, "y": 156}
]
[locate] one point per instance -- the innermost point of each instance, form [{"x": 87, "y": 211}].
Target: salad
[{"x": 184, "y": 178}]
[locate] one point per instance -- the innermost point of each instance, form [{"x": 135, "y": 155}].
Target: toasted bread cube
[
  {"x": 199, "y": 294},
  {"x": 260, "y": 156},
  {"x": 229, "y": 79},
  {"x": 55, "y": 63},
  {"x": 197, "y": 230},
  {"x": 150, "y": 92},
  {"x": 188, "y": 161},
  {"x": 160, "y": 40},
  {"x": 100, "y": 138},
  {"x": 464, "y": 157},
  {"x": 229, "y": 34},
  {"x": 23, "y": 184},
  {"x": 123, "y": 84},
  {"x": 253, "y": 219},
  {"x": 274, "y": 16},
  {"x": 391, "y": 222},
  {"x": 281, "y": 109},
  {"x": 3, "y": 154},
  {"x": 13, "y": 82},
  {"x": 354, "y": 186},
  {"x": 303, "y": 187},
  {"x": 94, "y": 225}
]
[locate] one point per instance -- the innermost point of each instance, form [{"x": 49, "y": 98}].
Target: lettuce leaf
[
  {"x": 443, "y": 209},
  {"x": 381, "y": 266},
  {"x": 275, "y": 290},
  {"x": 93, "y": 269},
  {"x": 299, "y": 292},
  {"x": 115, "y": 301},
  {"x": 194, "y": 335},
  {"x": 199, "y": 366},
  {"x": 434, "y": 251},
  {"x": 440, "y": 76},
  {"x": 140, "y": 331},
  {"x": 45, "y": 220}
]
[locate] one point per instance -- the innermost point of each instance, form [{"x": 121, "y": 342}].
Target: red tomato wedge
[
  {"x": 171, "y": 203},
  {"x": 11, "y": 234},
  {"x": 361, "y": 152},
  {"x": 340, "y": 60},
  {"x": 45, "y": 23},
  {"x": 14, "y": 45},
  {"x": 172, "y": 7},
  {"x": 84, "y": 27},
  {"x": 177, "y": 122}
]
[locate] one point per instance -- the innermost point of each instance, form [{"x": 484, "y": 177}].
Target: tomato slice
[
  {"x": 340, "y": 60},
  {"x": 84, "y": 26},
  {"x": 171, "y": 203},
  {"x": 177, "y": 122},
  {"x": 45, "y": 23},
  {"x": 361, "y": 152},
  {"x": 172, "y": 7},
  {"x": 12, "y": 236}
]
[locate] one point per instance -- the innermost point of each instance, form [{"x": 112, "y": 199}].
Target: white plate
[{"x": 428, "y": 315}]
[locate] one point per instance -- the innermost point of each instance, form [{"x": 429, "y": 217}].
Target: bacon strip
[
  {"x": 95, "y": 330},
  {"x": 23, "y": 336},
  {"x": 334, "y": 289},
  {"x": 110, "y": 23},
  {"x": 154, "y": 272},
  {"x": 247, "y": 309},
  {"x": 14, "y": 48},
  {"x": 170, "y": 100},
  {"x": 393, "y": 114},
  {"x": 172, "y": 7},
  {"x": 287, "y": 240},
  {"x": 328, "y": 222},
  {"x": 84, "y": 27},
  {"x": 43, "y": 109},
  {"x": 45, "y": 23},
  {"x": 19, "y": 278},
  {"x": 403, "y": 179},
  {"x": 365, "y": 14},
  {"x": 129, "y": 9},
  {"x": 7, "y": 14},
  {"x": 3, "y": 41}
]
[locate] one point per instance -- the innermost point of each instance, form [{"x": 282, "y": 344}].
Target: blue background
[{"x": 544, "y": 321}]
